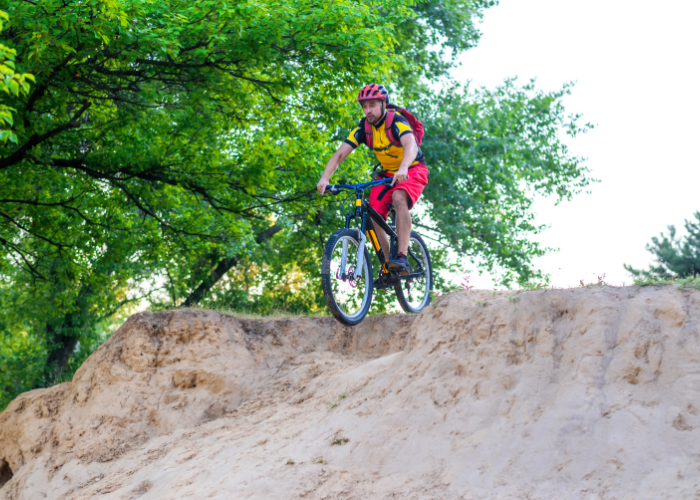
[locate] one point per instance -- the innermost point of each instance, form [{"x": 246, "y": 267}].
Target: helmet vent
[{"x": 373, "y": 91}]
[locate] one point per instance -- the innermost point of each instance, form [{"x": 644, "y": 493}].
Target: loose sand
[{"x": 587, "y": 393}]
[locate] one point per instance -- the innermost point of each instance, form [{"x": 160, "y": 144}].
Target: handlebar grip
[{"x": 332, "y": 190}]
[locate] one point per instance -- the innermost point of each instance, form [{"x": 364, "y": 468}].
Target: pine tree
[{"x": 675, "y": 257}]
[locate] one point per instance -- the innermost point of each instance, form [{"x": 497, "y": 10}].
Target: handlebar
[{"x": 337, "y": 188}]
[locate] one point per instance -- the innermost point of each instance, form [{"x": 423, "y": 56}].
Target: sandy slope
[{"x": 587, "y": 393}]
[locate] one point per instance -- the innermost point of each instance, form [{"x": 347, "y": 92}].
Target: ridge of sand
[{"x": 584, "y": 393}]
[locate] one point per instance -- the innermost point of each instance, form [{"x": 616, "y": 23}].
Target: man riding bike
[{"x": 396, "y": 160}]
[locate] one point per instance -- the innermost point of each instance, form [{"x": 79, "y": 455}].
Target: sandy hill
[{"x": 587, "y": 393}]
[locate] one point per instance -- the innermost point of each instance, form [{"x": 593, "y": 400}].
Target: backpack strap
[
  {"x": 377, "y": 171},
  {"x": 389, "y": 122},
  {"x": 369, "y": 138},
  {"x": 384, "y": 191},
  {"x": 388, "y": 187}
]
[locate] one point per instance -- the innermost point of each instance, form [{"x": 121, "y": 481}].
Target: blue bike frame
[{"x": 362, "y": 209}]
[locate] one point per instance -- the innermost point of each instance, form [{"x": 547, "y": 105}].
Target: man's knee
[{"x": 400, "y": 199}]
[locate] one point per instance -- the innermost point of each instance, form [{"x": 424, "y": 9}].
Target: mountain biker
[{"x": 396, "y": 161}]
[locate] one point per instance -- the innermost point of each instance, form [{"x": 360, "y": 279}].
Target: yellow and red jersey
[{"x": 388, "y": 154}]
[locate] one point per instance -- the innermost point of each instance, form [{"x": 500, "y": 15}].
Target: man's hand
[
  {"x": 400, "y": 176},
  {"x": 322, "y": 185},
  {"x": 338, "y": 157}
]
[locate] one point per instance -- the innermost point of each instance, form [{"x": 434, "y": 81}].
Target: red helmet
[{"x": 373, "y": 91}]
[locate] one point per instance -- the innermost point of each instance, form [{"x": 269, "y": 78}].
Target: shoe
[{"x": 400, "y": 264}]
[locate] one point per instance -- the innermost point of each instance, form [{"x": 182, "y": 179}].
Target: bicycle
[{"x": 346, "y": 271}]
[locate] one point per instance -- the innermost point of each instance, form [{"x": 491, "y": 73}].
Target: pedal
[
  {"x": 382, "y": 283},
  {"x": 401, "y": 270}
]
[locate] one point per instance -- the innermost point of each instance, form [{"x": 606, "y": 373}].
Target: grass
[
  {"x": 599, "y": 282},
  {"x": 340, "y": 399},
  {"x": 681, "y": 282},
  {"x": 280, "y": 313},
  {"x": 271, "y": 314}
]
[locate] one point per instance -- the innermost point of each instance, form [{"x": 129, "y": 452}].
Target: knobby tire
[
  {"x": 328, "y": 278},
  {"x": 399, "y": 287}
]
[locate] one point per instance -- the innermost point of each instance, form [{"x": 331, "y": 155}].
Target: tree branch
[
  {"x": 222, "y": 268},
  {"x": 41, "y": 89},
  {"x": 32, "y": 269},
  {"x": 35, "y": 139}
]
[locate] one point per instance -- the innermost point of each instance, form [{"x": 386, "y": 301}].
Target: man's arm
[
  {"x": 338, "y": 157},
  {"x": 410, "y": 151}
]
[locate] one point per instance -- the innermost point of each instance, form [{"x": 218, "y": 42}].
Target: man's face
[{"x": 373, "y": 110}]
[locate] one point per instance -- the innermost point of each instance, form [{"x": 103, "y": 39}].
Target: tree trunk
[
  {"x": 218, "y": 272},
  {"x": 64, "y": 337},
  {"x": 222, "y": 268},
  {"x": 60, "y": 353},
  {"x": 64, "y": 344}
]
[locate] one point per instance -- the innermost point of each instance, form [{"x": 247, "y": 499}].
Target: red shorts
[{"x": 418, "y": 177}]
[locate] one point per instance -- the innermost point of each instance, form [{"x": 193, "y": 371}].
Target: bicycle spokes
[
  {"x": 346, "y": 275},
  {"x": 415, "y": 292},
  {"x": 348, "y": 291}
]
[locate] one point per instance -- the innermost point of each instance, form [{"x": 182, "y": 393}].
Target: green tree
[
  {"x": 490, "y": 153},
  {"x": 675, "y": 257},
  {"x": 170, "y": 150},
  {"x": 431, "y": 40},
  {"x": 156, "y": 139},
  {"x": 12, "y": 83}
]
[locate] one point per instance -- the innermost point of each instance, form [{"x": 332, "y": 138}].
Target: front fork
[{"x": 362, "y": 238}]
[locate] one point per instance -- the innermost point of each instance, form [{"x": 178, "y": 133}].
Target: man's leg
[
  {"x": 383, "y": 240},
  {"x": 402, "y": 201}
]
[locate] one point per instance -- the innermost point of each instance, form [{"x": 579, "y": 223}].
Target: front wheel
[
  {"x": 414, "y": 293},
  {"x": 348, "y": 298}
]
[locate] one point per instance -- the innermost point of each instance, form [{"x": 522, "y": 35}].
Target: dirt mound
[{"x": 588, "y": 393}]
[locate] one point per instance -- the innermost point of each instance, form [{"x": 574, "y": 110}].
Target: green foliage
[
  {"x": 22, "y": 361},
  {"x": 675, "y": 257},
  {"x": 155, "y": 144},
  {"x": 12, "y": 83},
  {"x": 490, "y": 152},
  {"x": 681, "y": 282},
  {"x": 431, "y": 40},
  {"x": 162, "y": 139}
]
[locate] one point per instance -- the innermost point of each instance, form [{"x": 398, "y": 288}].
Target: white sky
[{"x": 637, "y": 68}]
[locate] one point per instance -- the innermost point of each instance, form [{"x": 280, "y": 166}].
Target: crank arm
[{"x": 411, "y": 276}]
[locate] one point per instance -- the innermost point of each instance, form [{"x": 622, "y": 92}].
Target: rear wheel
[
  {"x": 414, "y": 293},
  {"x": 348, "y": 298}
]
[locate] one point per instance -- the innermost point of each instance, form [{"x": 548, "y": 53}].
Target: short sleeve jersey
[{"x": 388, "y": 154}]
